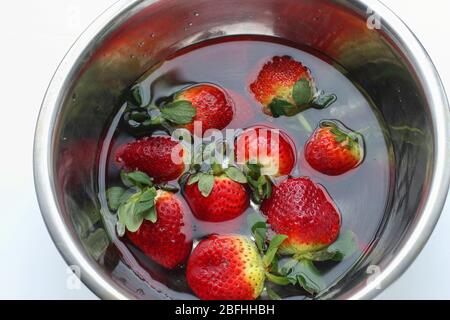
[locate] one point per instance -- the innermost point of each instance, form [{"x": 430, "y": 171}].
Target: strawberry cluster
[{"x": 294, "y": 222}]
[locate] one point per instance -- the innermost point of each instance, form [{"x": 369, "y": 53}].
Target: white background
[{"x": 35, "y": 35}]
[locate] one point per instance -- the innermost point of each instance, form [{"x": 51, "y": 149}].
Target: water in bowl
[{"x": 362, "y": 195}]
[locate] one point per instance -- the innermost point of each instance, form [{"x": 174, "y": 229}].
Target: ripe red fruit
[
  {"x": 227, "y": 200},
  {"x": 274, "y": 86},
  {"x": 268, "y": 147},
  {"x": 332, "y": 150},
  {"x": 154, "y": 157},
  {"x": 168, "y": 241},
  {"x": 226, "y": 268},
  {"x": 214, "y": 108},
  {"x": 304, "y": 212}
]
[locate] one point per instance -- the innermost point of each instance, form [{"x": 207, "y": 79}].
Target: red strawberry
[
  {"x": 226, "y": 268},
  {"x": 216, "y": 198},
  {"x": 168, "y": 241},
  {"x": 283, "y": 86},
  {"x": 214, "y": 108},
  {"x": 333, "y": 150},
  {"x": 154, "y": 157},
  {"x": 268, "y": 147},
  {"x": 304, "y": 212}
]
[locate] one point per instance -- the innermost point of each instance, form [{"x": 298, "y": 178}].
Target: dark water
[{"x": 232, "y": 63}]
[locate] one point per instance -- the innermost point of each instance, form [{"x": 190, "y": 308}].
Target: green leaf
[
  {"x": 345, "y": 246},
  {"x": 139, "y": 177},
  {"x": 128, "y": 194},
  {"x": 259, "y": 230},
  {"x": 151, "y": 215},
  {"x": 120, "y": 228},
  {"x": 97, "y": 243},
  {"x": 127, "y": 217},
  {"x": 280, "y": 280},
  {"x": 140, "y": 208},
  {"x": 125, "y": 179},
  {"x": 303, "y": 92},
  {"x": 280, "y": 107},
  {"x": 272, "y": 294},
  {"x": 194, "y": 178},
  {"x": 267, "y": 189},
  {"x": 235, "y": 174},
  {"x": 179, "y": 112},
  {"x": 134, "y": 223},
  {"x": 254, "y": 169},
  {"x": 124, "y": 210},
  {"x": 134, "y": 96},
  {"x": 324, "y": 101},
  {"x": 217, "y": 168},
  {"x": 206, "y": 184},
  {"x": 273, "y": 248},
  {"x": 149, "y": 194},
  {"x": 307, "y": 276},
  {"x": 114, "y": 197}
]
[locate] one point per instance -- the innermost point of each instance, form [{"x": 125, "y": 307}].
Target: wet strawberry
[
  {"x": 333, "y": 150},
  {"x": 283, "y": 87},
  {"x": 154, "y": 156},
  {"x": 216, "y": 198},
  {"x": 226, "y": 268},
  {"x": 270, "y": 148},
  {"x": 304, "y": 212},
  {"x": 154, "y": 219},
  {"x": 168, "y": 241},
  {"x": 214, "y": 108}
]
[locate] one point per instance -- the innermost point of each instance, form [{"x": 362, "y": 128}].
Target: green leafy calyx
[{"x": 134, "y": 204}]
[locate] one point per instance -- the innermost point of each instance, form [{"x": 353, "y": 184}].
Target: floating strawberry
[
  {"x": 217, "y": 196},
  {"x": 285, "y": 87},
  {"x": 154, "y": 219},
  {"x": 214, "y": 108},
  {"x": 304, "y": 212},
  {"x": 160, "y": 157},
  {"x": 334, "y": 150},
  {"x": 206, "y": 104},
  {"x": 265, "y": 152},
  {"x": 226, "y": 268}
]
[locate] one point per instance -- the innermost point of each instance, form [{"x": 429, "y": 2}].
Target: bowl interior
[{"x": 148, "y": 31}]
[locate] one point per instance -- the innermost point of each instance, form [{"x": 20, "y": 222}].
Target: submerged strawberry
[
  {"x": 334, "y": 150},
  {"x": 217, "y": 198},
  {"x": 304, "y": 212},
  {"x": 160, "y": 157},
  {"x": 154, "y": 219},
  {"x": 264, "y": 152},
  {"x": 168, "y": 241},
  {"x": 214, "y": 108},
  {"x": 271, "y": 148},
  {"x": 226, "y": 268}
]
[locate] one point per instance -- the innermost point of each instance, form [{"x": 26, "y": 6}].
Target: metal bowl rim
[{"x": 102, "y": 285}]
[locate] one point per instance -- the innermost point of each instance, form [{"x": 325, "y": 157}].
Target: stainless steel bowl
[{"x": 387, "y": 62}]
